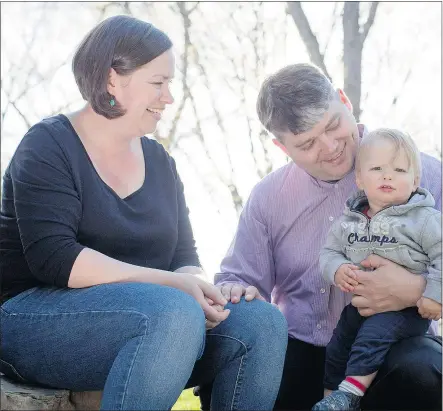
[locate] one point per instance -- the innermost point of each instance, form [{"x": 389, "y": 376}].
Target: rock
[
  {"x": 86, "y": 400},
  {"x": 17, "y": 396}
]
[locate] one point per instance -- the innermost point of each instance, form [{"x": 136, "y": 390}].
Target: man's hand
[
  {"x": 429, "y": 308},
  {"x": 345, "y": 277},
  {"x": 233, "y": 292},
  {"x": 389, "y": 287}
]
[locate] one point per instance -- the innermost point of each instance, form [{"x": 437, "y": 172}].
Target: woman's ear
[{"x": 112, "y": 82}]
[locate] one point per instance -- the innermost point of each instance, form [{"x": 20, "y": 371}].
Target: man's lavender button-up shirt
[{"x": 276, "y": 247}]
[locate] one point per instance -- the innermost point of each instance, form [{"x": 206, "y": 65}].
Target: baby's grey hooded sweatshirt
[{"x": 407, "y": 234}]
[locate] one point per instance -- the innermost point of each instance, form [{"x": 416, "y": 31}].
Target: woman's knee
[
  {"x": 166, "y": 306},
  {"x": 149, "y": 299}
]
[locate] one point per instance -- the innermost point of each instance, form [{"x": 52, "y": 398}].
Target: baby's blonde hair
[{"x": 400, "y": 140}]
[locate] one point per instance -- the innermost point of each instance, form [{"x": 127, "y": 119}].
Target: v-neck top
[{"x": 54, "y": 204}]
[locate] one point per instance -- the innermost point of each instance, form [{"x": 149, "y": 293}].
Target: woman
[{"x": 98, "y": 257}]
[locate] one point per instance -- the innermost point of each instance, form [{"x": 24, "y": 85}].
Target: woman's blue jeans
[{"x": 142, "y": 344}]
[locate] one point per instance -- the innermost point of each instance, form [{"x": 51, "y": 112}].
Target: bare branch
[
  {"x": 370, "y": 21},
  {"x": 295, "y": 10},
  {"x": 193, "y": 8},
  {"x": 27, "y": 122},
  {"x": 185, "y": 58},
  {"x": 334, "y": 22},
  {"x": 208, "y": 187}
]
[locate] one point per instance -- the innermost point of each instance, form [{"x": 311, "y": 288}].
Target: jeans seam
[
  {"x": 240, "y": 368},
  {"x": 131, "y": 366},
  {"x": 237, "y": 384},
  {"x": 78, "y": 312},
  {"x": 18, "y": 375}
]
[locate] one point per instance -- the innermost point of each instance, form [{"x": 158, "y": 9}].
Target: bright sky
[{"x": 406, "y": 35}]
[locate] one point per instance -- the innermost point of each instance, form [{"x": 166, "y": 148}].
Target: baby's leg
[
  {"x": 374, "y": 340},
  {"x": 376, "y": 336},
  {"x": 339, "y": 348}
]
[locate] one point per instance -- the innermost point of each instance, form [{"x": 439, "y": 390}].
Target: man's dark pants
[{"x": 409, "y": 379}]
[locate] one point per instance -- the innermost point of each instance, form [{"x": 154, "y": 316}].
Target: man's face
[{"x": 327, "y": 151}]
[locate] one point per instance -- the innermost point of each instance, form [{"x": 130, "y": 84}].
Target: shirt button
[
  {"x": 322, "y": 290},
  {"x": 331, "y": 218},
  {"x": 318, "y": 326}
]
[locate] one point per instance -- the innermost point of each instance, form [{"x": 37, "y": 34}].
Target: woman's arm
[
  {"x": 185, "y": 254},
  {"x": 48, "y": 208},
  {"x": 93, "y": 268}
]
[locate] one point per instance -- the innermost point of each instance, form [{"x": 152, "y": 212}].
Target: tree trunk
[{"x": 352, "y": 55}]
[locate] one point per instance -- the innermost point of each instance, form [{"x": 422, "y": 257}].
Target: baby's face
[{"x": 386, "y": 175}]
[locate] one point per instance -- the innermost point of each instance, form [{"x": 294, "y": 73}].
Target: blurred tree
[
  {"x": 354, "y": 37},
  {"x": 224, "y": 51}
]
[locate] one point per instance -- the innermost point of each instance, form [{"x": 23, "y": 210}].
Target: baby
[{"x": 392, "y": 217}]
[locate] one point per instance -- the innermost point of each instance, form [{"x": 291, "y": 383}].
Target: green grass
[{"x": 187, "y": 401}]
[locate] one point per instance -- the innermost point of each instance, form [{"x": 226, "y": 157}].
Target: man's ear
[
  {"x": 279, "y": 144},
  {"x": 345, "y": 99}
]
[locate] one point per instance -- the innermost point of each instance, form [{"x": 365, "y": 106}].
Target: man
[{"x": 274, "y": 255}]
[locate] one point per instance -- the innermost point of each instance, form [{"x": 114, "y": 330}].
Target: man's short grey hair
[
  {"x": 400, "y": 140},
  {"x": 294, "y": 99}
]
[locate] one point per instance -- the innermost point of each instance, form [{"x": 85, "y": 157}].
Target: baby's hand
[
  {"x": 345, "y": 277},
  {"x": 429, "y": 308}
]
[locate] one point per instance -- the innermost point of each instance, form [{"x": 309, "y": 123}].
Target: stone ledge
[{"x": 17, "y": 396}]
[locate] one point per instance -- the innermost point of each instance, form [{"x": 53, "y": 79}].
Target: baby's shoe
[{"x": 339, "y": 400}]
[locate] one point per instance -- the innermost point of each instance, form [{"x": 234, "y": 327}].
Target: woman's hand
[
  {"x": 202, "y": 291},
  {"x": 211, "y": 324}
]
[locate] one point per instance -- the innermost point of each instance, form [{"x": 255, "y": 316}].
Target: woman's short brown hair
[{"x": 121, "y": 42}]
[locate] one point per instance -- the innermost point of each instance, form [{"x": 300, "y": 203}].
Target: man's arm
[{"x": 249, "y": 261}]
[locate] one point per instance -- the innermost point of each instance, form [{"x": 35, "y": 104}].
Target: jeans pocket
[{"x": 10, "y": 371}]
